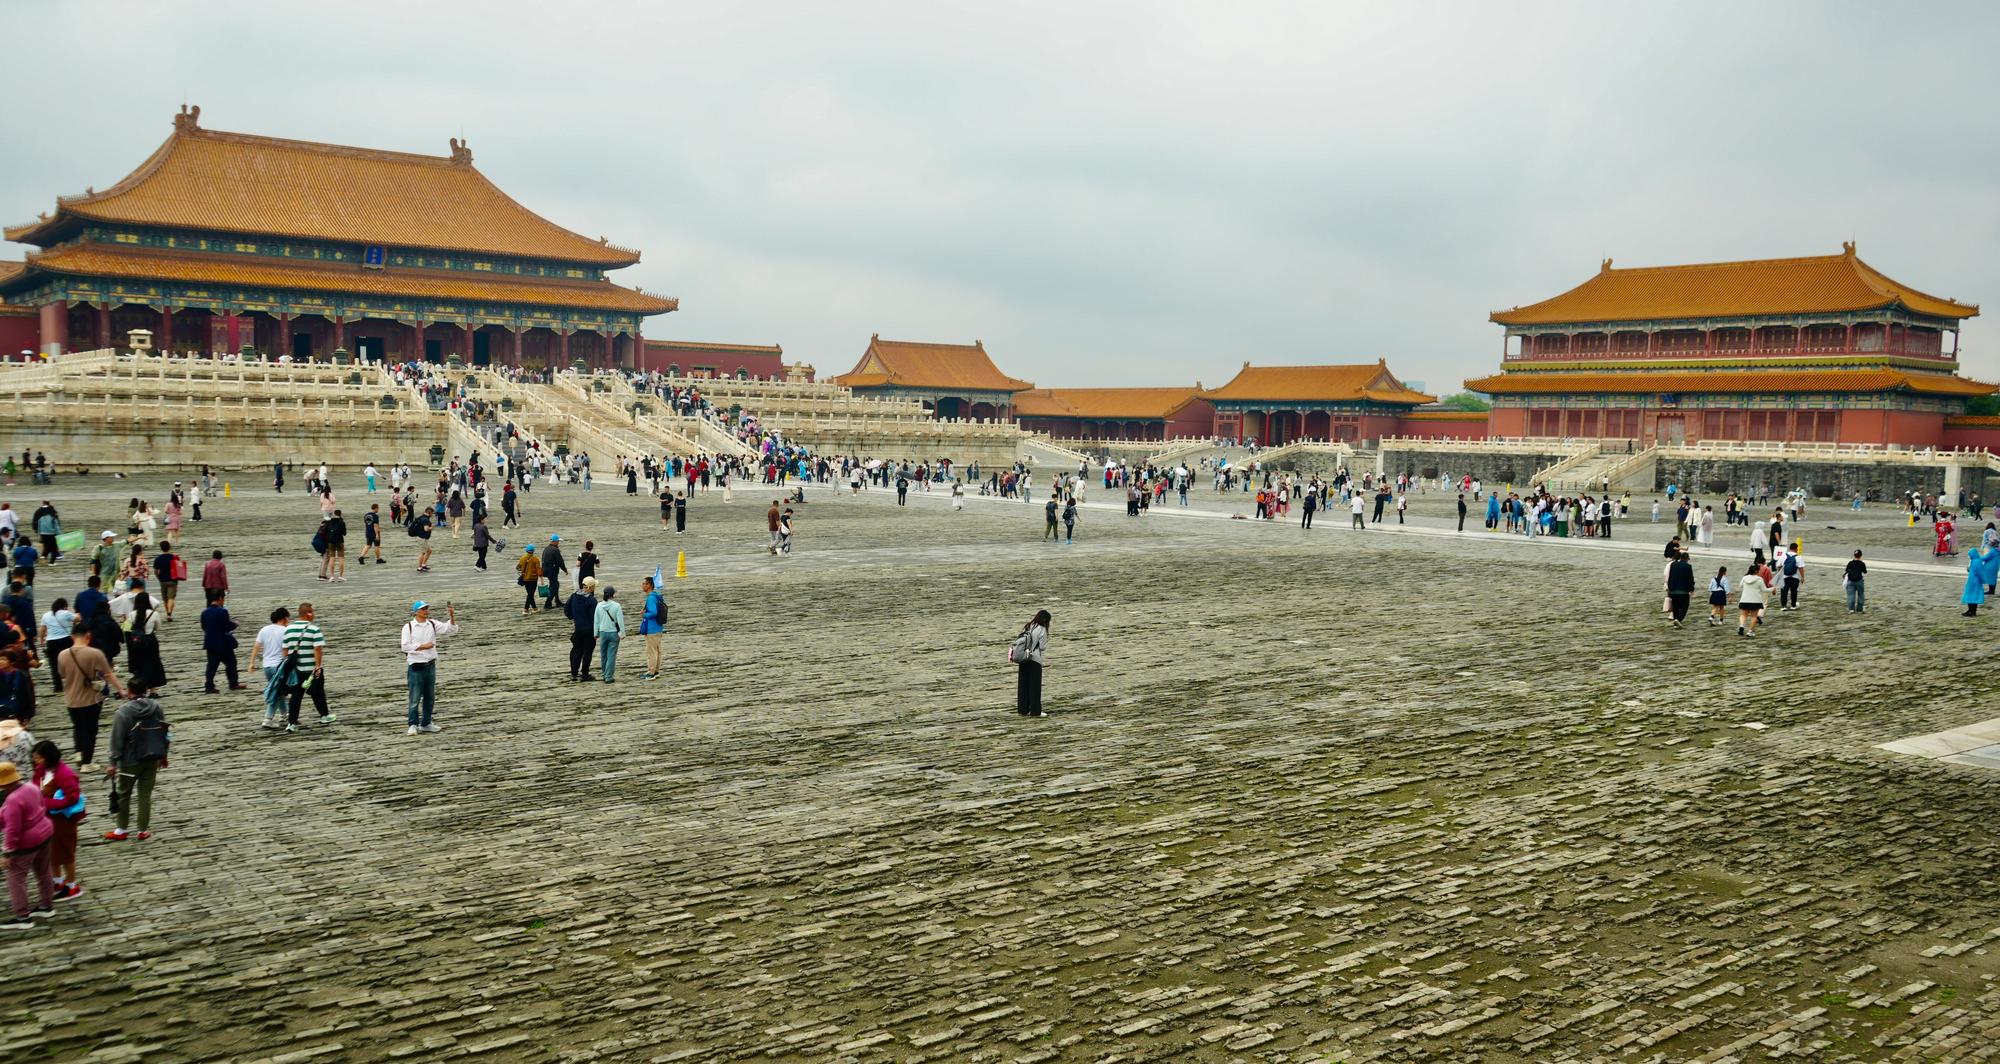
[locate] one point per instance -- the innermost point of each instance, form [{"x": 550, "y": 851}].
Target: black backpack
[{"x": 147, "y": 741}]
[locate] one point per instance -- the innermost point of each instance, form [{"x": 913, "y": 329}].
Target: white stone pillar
[{"x": 1953, "y": 481}]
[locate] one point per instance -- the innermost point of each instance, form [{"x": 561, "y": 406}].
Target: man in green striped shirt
[{"x": 304, "y": 642}]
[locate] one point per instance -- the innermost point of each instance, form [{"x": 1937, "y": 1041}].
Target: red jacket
[
  {"x": 215, "y": 574},
  {"x": 24, "y": 819}
]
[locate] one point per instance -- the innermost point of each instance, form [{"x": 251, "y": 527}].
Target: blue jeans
[
  {"x": 272, "y": 694},
  {"x": 1857, "y": 598},
  {"x": 423, "y": 691},
  {"x": 607, "y": 652}
]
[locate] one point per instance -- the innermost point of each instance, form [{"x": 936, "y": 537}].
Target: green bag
[{"x": 68, "y": 541}]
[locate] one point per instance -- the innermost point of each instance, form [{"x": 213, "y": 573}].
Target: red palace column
[
  {"x": 465, "y": 344},
  {"x": 563, "y": 352},
  {"x": 233, "y": 330},
  {"x": 339, "y": 333},
  {"x": 55, "y": 328},
  {"x": 164, "y": 342},
  {"x": 104, "y": 325}
]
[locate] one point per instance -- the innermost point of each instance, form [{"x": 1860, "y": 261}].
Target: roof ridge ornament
[
  {"x": 1606, "y": 267},
  {"x": 188, "y": 120},
  {"x": 461, "y": 152},
  {"x": 1847, "y": 248}
]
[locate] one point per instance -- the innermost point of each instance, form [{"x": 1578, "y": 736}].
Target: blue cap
[
  {"x": 417, "y": 605},
  {"x": 553, "y": 538}
]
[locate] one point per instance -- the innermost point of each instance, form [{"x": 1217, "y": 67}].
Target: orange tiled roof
[
  {"x": 1821, "y": 284},
  {"x": 1367, "y": 380},
  {"x": 1788, "y": 381},
  {"x": 235, "y": 182},
  {"x": 701, "y": 345},
  {"x": 909, "y": 364},
  {"x": 1131, "y": 404},
  {"x": 92, "y": 260},
  {"x": 11, "y": 270}
]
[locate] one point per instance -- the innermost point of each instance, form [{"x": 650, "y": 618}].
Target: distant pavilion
[{"x": 951, "y": 380}]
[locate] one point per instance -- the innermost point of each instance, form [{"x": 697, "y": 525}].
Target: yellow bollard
[
  {"x": 681, "y": 565},
  {"x": 225, "y": 489}
]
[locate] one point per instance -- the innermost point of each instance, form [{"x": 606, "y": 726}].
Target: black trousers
[
  {"x": 56, "y": 647},
  {"x": 1307, "y": 520},
  {"x": 197, "y": 511},
  {"x": 83, "y": 730},
  {"x": 680, "y": 519},
  {"x": 1461, "y": 520},
  {"x": 224, "y": 658},
  {"x": 481, "y": 551},
  {"x": 1789, "y": 595},
  {"x": 318, "y": 692},
  {"x": 580, "y": 646},
  {"x": 50, "y": 552},
  {"x": 1028, "y": 689},
  {"x": 1680, "y": 606},
  {"x": 555, "y": 593},
  {"x": 528, "y": 603}
]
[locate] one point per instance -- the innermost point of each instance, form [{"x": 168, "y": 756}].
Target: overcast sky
[{"x": 1105, "y": 193}]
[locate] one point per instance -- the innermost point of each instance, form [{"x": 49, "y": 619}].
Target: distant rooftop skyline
[{"x": 1105, "y": 196}]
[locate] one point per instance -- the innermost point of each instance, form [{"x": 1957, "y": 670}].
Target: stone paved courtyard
[{"x": 1327, "y": 796}]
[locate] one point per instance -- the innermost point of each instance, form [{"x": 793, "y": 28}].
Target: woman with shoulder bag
[{"x": 1026, "y": 654}]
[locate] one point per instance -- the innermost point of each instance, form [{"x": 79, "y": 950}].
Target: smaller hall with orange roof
[
  {"x": 1116, "y": 413},
  {"x": 228, "y": 242},
  {"x": 1344, "y": 403},
  {"x": 1823, "y": 349},
  {"x": 951, "y": 380}
]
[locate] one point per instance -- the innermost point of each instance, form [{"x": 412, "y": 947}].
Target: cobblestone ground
[{"x": 1301, "y": 796}]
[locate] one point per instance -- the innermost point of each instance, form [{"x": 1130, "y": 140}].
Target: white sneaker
[
  {"x": 412, "y": 730},
  {"x": 431, "y": 728}
]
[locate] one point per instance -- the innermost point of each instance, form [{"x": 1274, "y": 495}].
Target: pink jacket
[
  {"x": 24, "y": 819},
  {"x": 62, "y": 792}
]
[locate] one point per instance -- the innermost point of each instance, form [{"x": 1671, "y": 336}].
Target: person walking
[
  {"x": 1358, "y": 507},
  {"x": 587, "y": 560},
  {"x": 771, "y": 522},
  {"x": 1854, "y": 578},
  {"x": 1750, "y": 601},
  {"x": 1307, "y": 510},
  {"x": 25, "y": 827},
  {"x": 653, "y": 626},
  {"x": 482, "y": 540},
  {"x": 371, "y": 534},
  {"x": 509, "y": 507},
  {"x": 1051, "y": 512},
  {"x": 1462, "y": 508},
  {"x": 680, "y": 513},
  {"x": 420, "y": 527},
  {"x": 1680, "y": 585},
  {"x": 62, "y": 794},
  {"x": 553, "y": 568},
  {"x": 420, "y": 650},
  {"x": 1027, "y": 653},
  {"x": 140, "y": 738},
  {"x": 1069, "y": 520},
  {"x": 218, "y": 640},
  {"x": 785, "y": 532},
  {"x": 581, "y": 609},
  {"x": 304, "y": 640},
  {"x": 1718, "y": 595},
  {"x": 530, "y": 568},
  {"x": 215, "y": 574},
  {"x": 85, "y": 672},
  {"x": 270, "y": 650},
  {"x": 57, "y": 624},
  {"x": 1793, "y": 572},
  {"x": 169, "y": 569},
  {"x": 1975, "y": 583},
  {"x": 610, "y": 629}
]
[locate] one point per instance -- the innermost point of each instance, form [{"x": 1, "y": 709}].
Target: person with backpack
[
  {"x": 1794, "y": 572},
  {"x": 303, "y": 640},
  {"x": 169, "y": 568},
  {"x": 1855, "y": 578},
  {"x": 1049, "y": 512},
  {"x": 420, "y": 528},
  {"x": 653, "y": 626},
  {"x": 218, "y": 639},
  {"x": 270, "y": 650},
  {"x": 553, "y": 568},
  {"x": 139, "y": 743},
  {"x": 530, "y": 568},
  {"x": 1026, "y": 653}
]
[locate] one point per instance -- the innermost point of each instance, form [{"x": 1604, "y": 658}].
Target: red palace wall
[
  {"x": 1901, "y": 427},
  {"x": 1196, "y": 419},
  {"x": 1973, "y": 433},
  {"x": 659, "y": 356},
  {"x": 1443, "y": 429},
  {"x": 18, "y": 333}
]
